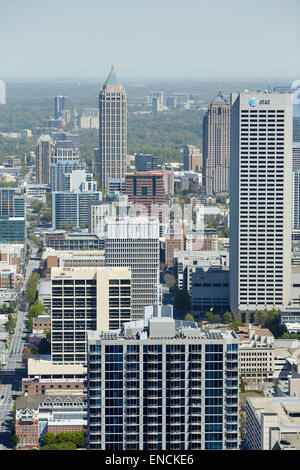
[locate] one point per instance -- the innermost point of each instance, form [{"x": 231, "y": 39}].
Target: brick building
[
  {"x": 41, "y": 386},
  {"x": 38, "y": 414},
  {"x": 146, "y": 188}
]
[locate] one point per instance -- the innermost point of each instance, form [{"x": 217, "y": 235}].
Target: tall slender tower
[
  {"x": 110, "y": 158},
  {"x": 260, "y": 200},
  {"x": 216, "y": 146},
  {"x": 44, "y": 149}
]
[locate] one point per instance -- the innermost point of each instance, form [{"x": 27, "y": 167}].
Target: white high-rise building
[
  {"x": 260, "y": 198},
  {"x": 95, "y": 298},
  {"x": 2, "y": 92},
  {"x": 134, "y": 242}
]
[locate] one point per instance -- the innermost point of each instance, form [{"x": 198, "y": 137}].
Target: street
[{"x": 12, "y": 374}]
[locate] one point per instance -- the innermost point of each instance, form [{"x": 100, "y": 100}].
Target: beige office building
[
  {"x": 192, "y": 158},
  {"x": 272, "y": 423},
  {"x": 111, "y": 157},
  {"x": 86, "y": 299},
  {"x": 256, "y": 354}
]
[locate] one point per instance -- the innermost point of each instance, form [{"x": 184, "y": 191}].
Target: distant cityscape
[{"x": 152, "y": 303}]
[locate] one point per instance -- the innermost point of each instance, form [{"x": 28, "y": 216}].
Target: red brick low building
[
  {"x": 46, "y": 386},
  {"x": 37, "y": 415}
]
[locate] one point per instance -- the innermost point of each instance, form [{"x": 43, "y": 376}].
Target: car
[
  {"x": 10, "y": 398},
  {"x": 2, "y": 396}
]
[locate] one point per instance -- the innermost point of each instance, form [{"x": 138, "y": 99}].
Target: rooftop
[
  {"x": 34, "y": 401},
  {"x": 286, "y": 408}
]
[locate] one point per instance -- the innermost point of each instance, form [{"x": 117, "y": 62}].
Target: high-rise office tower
[
  {"x": 60, "y": 137},
  {"x": 59, "y": 105},
  {"x": 157, "y": 101},
  {"x": 216, "y": 147},
  {"x": 134, "y": 242},
  {"x": 192, "y": 158},
  {"x": 86, "y": 299},
  {"x": 59, "y": 171},
  {"x": 71, "y": 209},
  {"x": 145, "y": 162},
  {"x": 65, "y": 147},
  {"x": 44, "y": 150},
  {"x": 98, "y": 212},
  {"x": 146, "y": 188},
  {"x": 260, "y": 200},
  {"x": 12, "y": 203},
  {"x": 12, "y": 216},
  {"x": 111, "y": 157},
  {"x": 163, "y": 386}
]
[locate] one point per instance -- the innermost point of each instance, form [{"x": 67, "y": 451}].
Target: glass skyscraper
[{"x": 166, "y": 386}]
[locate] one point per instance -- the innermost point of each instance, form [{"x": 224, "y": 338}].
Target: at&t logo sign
[{"x": 253, "y": 101}]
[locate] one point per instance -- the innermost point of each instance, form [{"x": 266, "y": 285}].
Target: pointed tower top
[
  {"x": 220, "y": 98},
  {"x": 112, "y": 79}
]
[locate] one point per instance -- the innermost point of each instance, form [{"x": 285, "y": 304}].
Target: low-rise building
[
  {"x": 201, "y": 240},
  {"x": 41, "y": 323},
  {"x": 43, "y": 386},
  {"x": 186, "y": 261},
  {"x": 8, "y": 275},
  {"x": 38, "y": 414},
  {"x": 61, "y": 240},
  {"x": 256, "y": 353},
  {"x": 270, "y": 420},
  {"x": 44, "y": 293},
  {"x": 209, "y": 290}
]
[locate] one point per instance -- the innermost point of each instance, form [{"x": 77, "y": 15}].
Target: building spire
[{"x": 112, "y": 79}]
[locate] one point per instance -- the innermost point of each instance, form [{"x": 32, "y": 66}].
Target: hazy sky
[{"x": 143, "y": 38}]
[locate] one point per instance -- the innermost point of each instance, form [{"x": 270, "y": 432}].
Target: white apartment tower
[
  {"x": 110, "y": 158},
  {"x": 260, "y": 199}
]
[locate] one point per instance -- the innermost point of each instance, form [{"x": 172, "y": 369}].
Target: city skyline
[{"x": 150, "y": 227}]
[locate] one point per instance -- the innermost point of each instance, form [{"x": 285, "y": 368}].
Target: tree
[
  {"x": 46, "y": 217},
  {"x": 228, "y": 317},
  {"x": 36, "y": 206},
  {"x": 30, "y": 294},
  {"x": 44, "y": 346},
  {"x": 182, "y": 301},
  {"x": 212, "y": 317},
  {"x": 36, "y": 309},
  {"x": 242, "y": 384},
  {"x": 260, "y": 317},
  {"x": 11, "y": 323},
  {"x": 47, "y": 331},
  {"x": 235, "y": 325},
  {"x": 62, "y": 440},
  {"x": 189, "y": 317},
  {"x": 209, "y": 317},
  {"x": 25, "y": 355},
  {"x": 14, "y": 439},
  {"x": 60, "y": 446}
]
